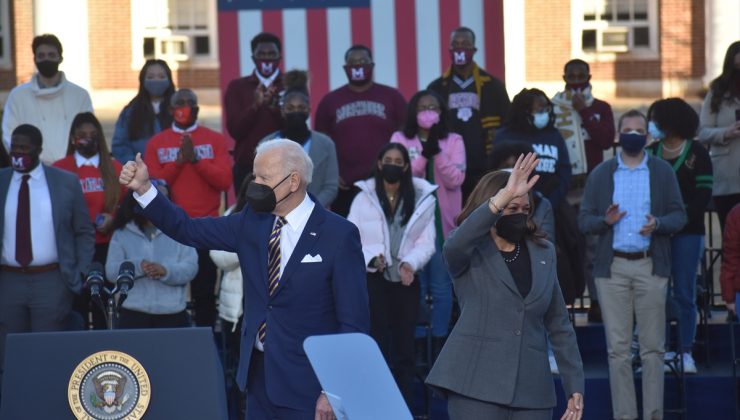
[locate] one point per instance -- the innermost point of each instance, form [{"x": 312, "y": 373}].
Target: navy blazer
[
  {"x": 315, "y": 298},
  {"x": 73, "y": 231}
]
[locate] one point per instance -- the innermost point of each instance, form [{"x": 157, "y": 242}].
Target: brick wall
[
  {"x": 109, "y": 23},
  {"x": 682, "y": 38},
  {"x": 547, "y": 38},
  {"x": 196, "y": 78},
  {"x": 22, "y": 27}
]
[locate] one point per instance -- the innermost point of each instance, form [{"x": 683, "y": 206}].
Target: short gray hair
[{"x": 293, "y": 155}]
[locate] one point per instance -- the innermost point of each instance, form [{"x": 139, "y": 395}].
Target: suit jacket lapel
[
  {"x": 310, "y": 235},
  {"x": 263, "y": 236},
  {"x": 5, "y": 177},
  {"x": 499, "y": 266},
  {"x": 541, "y": 268},
  {"x": 54, "y": 191}
]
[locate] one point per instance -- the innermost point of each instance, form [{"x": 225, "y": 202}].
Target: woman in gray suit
[{"x": 494, "y": 364}]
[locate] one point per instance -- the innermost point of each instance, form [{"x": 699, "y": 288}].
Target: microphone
[
  {"x": 125, "y": 279},
  {"x": 95, "y": 278}
]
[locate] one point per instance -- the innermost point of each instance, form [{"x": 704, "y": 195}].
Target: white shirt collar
[
  {"x": 83, "y": 161},
  {"x": 36, "y": 173},
  {"x": 267, "y": 81},
  {"x": 642, "y": 165},
  {"x": 297, "y": 218},
  {"x": 190, "y": 129}
]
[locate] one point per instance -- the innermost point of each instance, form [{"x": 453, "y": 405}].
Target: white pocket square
[{"x": 311, "y": 259}]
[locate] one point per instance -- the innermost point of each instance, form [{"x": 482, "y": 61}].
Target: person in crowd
[
  {"x": 4, "y": 158},
  {"x": 47, "y": 240},
  {"x": 147, "y": 114},
  {"x": 89, "y": 159},
  {"x": 316, "y": 283},
  {"x": 586, "y": 123},
  {"x": 720, "y": 129},
  {"x": 438, "y": 156},
  {"x": 729, "y": 278},
  {"x": 48, "y": 101},
  {"x": 252, "y": 103},
  {"x": 633, "y": 203},
  {"x": 194, "y": 161},
  {"x": 360, "y": 117},
  {"x": 587, "y": 126},
  {"x": 531, "y": 119},
  {"x": 673, "y": 124},
  {"x": 503, "y": 157},
  {"x": 494, "y": 364},
  {"x": 163, "y": 269},
  {"x": 477, "y": 102},
  {"x": 394, "y": 212},
  {"x": 295, "y": 110}
]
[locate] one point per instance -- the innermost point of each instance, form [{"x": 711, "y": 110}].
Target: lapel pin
[
  {"x": 312, "y": 233},
  {"x": 542, "y": 262}
]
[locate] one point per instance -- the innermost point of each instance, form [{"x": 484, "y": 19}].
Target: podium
[
  {"x": 355, "y": 378},
  {"x": 176, "y": 373}
]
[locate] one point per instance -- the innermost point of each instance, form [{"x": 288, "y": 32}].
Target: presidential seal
[{"x": 109, "y": 385}]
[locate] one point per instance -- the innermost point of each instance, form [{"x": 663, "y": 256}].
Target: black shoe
[{"x": 594, "y": 312}]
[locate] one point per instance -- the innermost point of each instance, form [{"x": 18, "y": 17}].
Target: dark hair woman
[
  {"x": 147, "y": 114},
  {"x": 531, "y": 119},
  {"x": 439, "y": 157},
  {"x": 395, "y": 215},
  {"x": 720, "y": 128},
  {"x": 88, "y": 157},
  {"x": 494, "y": 363},
  {"x": 163, "y": 269},
  {"x": 673, "y": 125}
]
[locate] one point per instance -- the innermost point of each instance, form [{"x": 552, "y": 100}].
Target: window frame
[
  {"x": 164, "y": 34},
  {"x": 578, "y": 25}
]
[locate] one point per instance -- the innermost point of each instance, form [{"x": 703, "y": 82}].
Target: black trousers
[
  {"x": 203, "y": 291},
  {"x": 128, "y": 319},
  {"x": 394, "y": 310},
  {"x": 723, "y": 204}
]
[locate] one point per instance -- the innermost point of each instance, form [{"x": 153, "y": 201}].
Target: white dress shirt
[
  {"x": 81, "y": 161},
  {"x": 290, "y": 233},
  {"x": 43, "y": 238},
  {"x": 267, "y": 81}
]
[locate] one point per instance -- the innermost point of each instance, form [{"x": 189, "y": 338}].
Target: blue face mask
[
  {"x": 633, "y": 142},
  {"x": 541, "y": 119},
  {"x": 655, "y": 132}
]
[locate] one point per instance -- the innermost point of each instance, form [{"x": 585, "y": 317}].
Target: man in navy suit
[{"x": 303, "y": 269}]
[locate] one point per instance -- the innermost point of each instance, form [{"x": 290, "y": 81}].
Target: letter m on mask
[{"x": 358, "y": 73}]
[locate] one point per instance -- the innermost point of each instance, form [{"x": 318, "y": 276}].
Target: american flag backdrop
[{"x": 409, "y": 38}]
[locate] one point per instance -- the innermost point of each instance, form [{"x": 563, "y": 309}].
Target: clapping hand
[
  {"x": 187, "y": 151},
  {"x": 650, "y": 226},
  {"x": 153, "y": 270},
  {"x": 407, "y": 274},
  {"x": 613, "y": 215},
  {"x": 135, "y": 175}
]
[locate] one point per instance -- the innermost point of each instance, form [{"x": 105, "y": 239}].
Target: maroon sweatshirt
[
  {"x": 360, "y": 123},
  {"x": 598, "y": 121},
  {"x": 246, "y": 124}
]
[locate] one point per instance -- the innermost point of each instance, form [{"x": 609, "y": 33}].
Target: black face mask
[
  {"x": 261, "y": 198},
  {"x": 512, "y": 227},
  {"x": 391, "y": 173},
  {"x": 295, "y": 127},
  {"x": 47, "y": 68}
]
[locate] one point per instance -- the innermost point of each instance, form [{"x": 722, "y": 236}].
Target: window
[
  {"x": 615, "y": 26},
  {"x": 177, "y": 31},
  {"x": 4, "y": 33}
]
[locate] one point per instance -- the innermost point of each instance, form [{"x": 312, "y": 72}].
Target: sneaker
[
  {"x": 553, "y": 365},
  {"x": 689, "y": 366}
]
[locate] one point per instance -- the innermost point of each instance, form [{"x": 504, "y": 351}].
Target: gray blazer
[
  {"x": 323, "y": 154},
  {"x": 497, "y": 351},
  {"x": 666, "y": 205},
  {"x": 73, "y": 229}
]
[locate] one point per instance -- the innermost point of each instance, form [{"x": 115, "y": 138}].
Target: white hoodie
[
  {"x": 417, "y": 245},
  {"x": 50, "y": 109}
]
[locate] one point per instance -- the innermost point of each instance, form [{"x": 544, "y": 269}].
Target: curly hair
[{"x": 674, "y": 117}]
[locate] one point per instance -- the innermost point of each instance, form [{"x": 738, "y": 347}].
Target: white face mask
[{"x": 541, "y": 119}]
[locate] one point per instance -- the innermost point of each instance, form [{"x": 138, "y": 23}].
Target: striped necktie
[{"x": 273, "y": 267}]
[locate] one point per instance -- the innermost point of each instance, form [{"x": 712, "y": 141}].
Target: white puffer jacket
[
  {"x": 230, "y": 296},
  {"x": 417, "y": 244}
]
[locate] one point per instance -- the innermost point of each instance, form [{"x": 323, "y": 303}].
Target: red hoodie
[
  {"x": 729, "y": 277},
  {"x": 196, "y": 187},
  {"x": 92, "y": 188}
]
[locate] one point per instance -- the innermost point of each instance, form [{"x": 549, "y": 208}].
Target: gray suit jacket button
[{"x": 518, "y": 332}]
